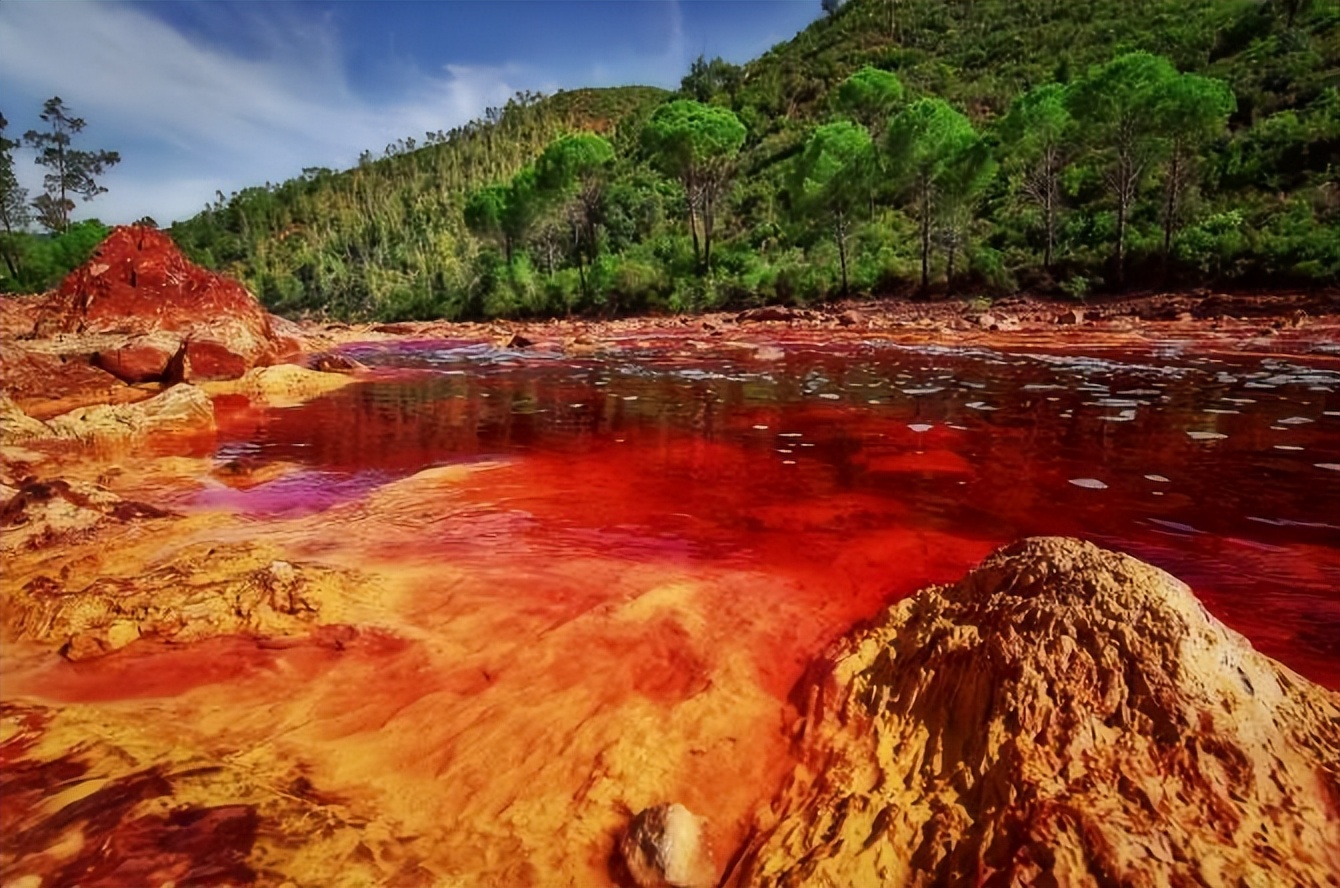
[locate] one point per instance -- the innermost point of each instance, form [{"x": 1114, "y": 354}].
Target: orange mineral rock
[{"x": 1062, "y": 716}]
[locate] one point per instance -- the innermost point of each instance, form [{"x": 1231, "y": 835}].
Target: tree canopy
[
  {"x": 71, "y": 172},
  {"x": 1044, "y": 201}
]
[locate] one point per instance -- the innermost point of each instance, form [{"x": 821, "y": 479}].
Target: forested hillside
[{"x": 918, "y": 146}]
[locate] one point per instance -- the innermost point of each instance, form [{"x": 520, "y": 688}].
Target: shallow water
[{"x": 871, "y": 467}]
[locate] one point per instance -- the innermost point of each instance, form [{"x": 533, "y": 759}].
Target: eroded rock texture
[
  {"x": 95, "y": 799},
  {"x": 1062, "y": 716},
  {"x": 202, "y": 591}
]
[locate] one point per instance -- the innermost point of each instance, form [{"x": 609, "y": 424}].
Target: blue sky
[{"x": 202, "y": 97}]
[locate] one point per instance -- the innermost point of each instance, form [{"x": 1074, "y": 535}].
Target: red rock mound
[{"x": 186, "y": 323}]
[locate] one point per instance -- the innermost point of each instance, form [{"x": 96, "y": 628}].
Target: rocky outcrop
[
  {"x": 283, "y": 385},
  {"x": 180, "y": 409},
  {"x": 144, "y": 358},
  {"x": 138, "y": 284},
  {"x": 1062, "y": 716},
  {"x": 203, "y": 591},
  {"x": 33, "y": 377},
  {"x": 664, "y": 847}
]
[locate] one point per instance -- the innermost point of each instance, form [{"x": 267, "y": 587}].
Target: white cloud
[{"x": 190, "y": 119}]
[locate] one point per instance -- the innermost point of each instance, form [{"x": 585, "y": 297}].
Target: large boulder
[
  {"x": 139, "y": 284},
  {"x": 1063, "y": 716}
]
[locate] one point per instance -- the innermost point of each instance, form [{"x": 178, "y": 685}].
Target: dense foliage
[{"x": 893, "y": 146}]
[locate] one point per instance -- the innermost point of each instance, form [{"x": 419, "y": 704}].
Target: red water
[{"x": 838, "y": 463}]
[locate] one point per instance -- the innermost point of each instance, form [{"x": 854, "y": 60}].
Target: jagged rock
[
  {"x": 31, "y": 376},
  {"x": 664, "y": 847},
  {"x": 39, "y": 513},
  {"x": 205, "y": 590},
  {"x": 1062, "y": 716},
  {"x": 209, "y": 358},
  {"x": 182, "y": 408},
  {"x": 142, "y": 358},
  {"x": 851, "y": 318},
  {"x": 1071, "y": 316},
  {"x": 16, "y": 426}
]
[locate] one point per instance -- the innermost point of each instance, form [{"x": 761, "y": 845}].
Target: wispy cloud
[{"x": 175, "y": 106}]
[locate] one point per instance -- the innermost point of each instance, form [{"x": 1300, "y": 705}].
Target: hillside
[
  {"x": 1253, "y": 203},
  {"x": 387, "y": 235}
]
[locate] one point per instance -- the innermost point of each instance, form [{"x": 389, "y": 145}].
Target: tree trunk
[
  {"x": 840, "y": 233},
  {"x": 64, "y": 207},
  {"x": 693, "y": 229},
  {"x": 9, "y": 263},
  {"x": 1121, "y": 241},
  {"x": 707, "y": 233},
  {"x": 925, "y": 240},
  {"x": 1173, "y": 193},
  {"x": 1049, "y": 212}
]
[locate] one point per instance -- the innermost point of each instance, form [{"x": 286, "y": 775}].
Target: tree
[
  {"x": 1192, "y": 110},
  {"x": 573, "y": 169},
  {"x": 831, "y": 179},
  {"x": 939, "y": 161},
  {"x": 72, "y": 172},
  {"x": 14, "y": 213},
  {"x": 708, "y": 79},
  {"x": 697, "y": 144},
  {"x": 484, "y": 211},
  {"x": 870, "y": 96},
  {"x": 1038, "y": 132},
  {"x": 1116, "y": 105}
]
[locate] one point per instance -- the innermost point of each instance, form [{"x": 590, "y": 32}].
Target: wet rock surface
[
  {"x": 91, "y": 799},
  {"x": 1062, "y": 716},
  {"x": 182, "y": 408},
  {"x": 665, "y": 847},
  {"x": 201, "y": 592},
  {"x": 42, "y": 513}
]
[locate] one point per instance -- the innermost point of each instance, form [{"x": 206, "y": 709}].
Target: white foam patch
[
  {"x": 1206, "y": 436},
  {"x": 920, "y": 427},
  {"x": 1157, "y": 478},
  {"x": 1089, "y": 483}
]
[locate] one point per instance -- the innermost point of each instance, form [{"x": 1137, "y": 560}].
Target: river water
[{"x": 868, "y": 469}]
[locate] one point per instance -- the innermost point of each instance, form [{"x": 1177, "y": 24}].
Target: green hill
[{"x": 1254, "y": 201}]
